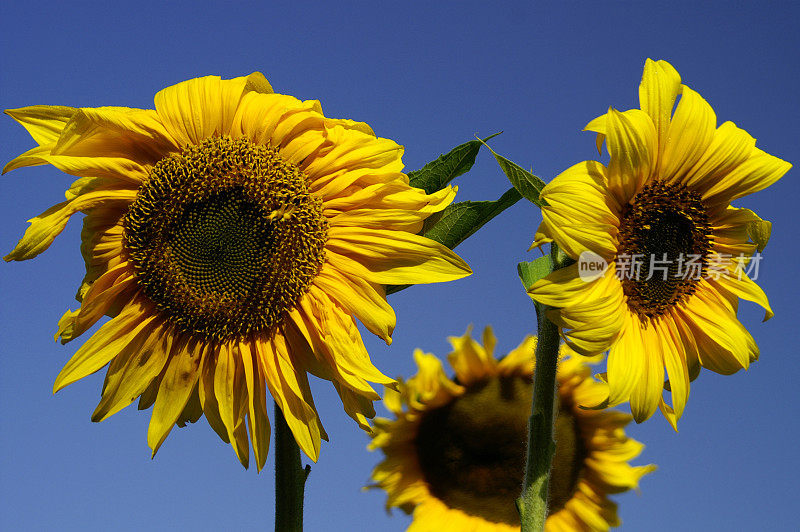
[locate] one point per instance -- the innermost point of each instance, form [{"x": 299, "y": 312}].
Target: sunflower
[
  {"x": 675, "y": 255},
  {"x": 455, "y": 454},
  {"x": 232, "y": 234}
]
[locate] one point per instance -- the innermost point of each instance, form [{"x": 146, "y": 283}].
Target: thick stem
[
  {"x": 541, "y": 447},
  {"x": 532, "y": 503},
  {"x": 290, "y": 478}
]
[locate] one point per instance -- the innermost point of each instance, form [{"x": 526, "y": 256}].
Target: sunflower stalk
[
  {"x": 290, "y": 478},
  {"x": 532, "y": 504}
]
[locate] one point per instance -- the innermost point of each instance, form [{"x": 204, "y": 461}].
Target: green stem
[
  {"x": 532, "y": 503},
  {"x": 290, "y": 478}
]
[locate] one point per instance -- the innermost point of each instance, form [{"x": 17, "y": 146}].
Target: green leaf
[
  {"x": 529, "y": 185},
  {"x": 437, "y": 174},
  {"x": 459, "y": 221},
  {"x": 530, "y": 272}
]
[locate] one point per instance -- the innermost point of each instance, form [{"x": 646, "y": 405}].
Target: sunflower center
[
  {"x": 664, "y": 238},
  {"x": 225, "y": 237},
  {"x": 472, "y": 450}
]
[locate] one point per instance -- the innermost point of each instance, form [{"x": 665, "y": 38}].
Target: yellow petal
[
  {"x": 257, "y": 404},
  {"x": 738, "y": 283},
  {"x": 289, "y": 388},
  {"x": 241, "y": 443},
  {"x": 355, "y": 405},
  {"x": 469, "y": 359},
  {"x": 32, "y": 157},
  {"x": 305, "y": 143},
  {"x": 647, "y": 391},
  {"x": 690, "y": 134},
  {"x": 626, "y": 361},
  {"x": 592, "y": 327},
  {"x": 724, "y": 345},
  {"x": 258, "y": 115},
  {"x": 683, "y": 332},
  {"x": 431, "y": 387},
  {"x": 183, "y": 370},
  {"x": 343, "y": 340},
  {"x": 353, "y": 150},
  {"x": 734, "y": 228},
  {"x": 144, "y": 357},
  {"x": 227, "y": 410},
  {"x": 729, "y": 148},
  {"x": 674, "y": 353},
  {"x": 43, "y": 122},
  {"x": 192, "y": 411},
  {"x": 592, "y": 394},
  {"x": 587, "y": 179},
  {"x": 660, "y": 85},
  {"x": 300, "y": 131},
  {"x": 225, "y": 376},
  {"x": 362, "y": 299},
  {"x": 335, "y": 344},
  {"x": 542, "y": 236},
  {"x": 103, "y": 293},
  {"x": 392, "y": 205},
  {"x": 564, "y": 288},
  {"x": 207, "y": 396},
  {"x": 581, "y": 214},
  {"x": 199, "y": 108},
  {"x": 349, "y": 124},
  {"x": 66, "y": 325},
  {"x": 598, "y": 125},
  {"x": 489, "y": 340},
  {"x": 759, "y": 232},
  {"x": 149, "y": 395},
  {"x": 393, "y": 257},
  {"x": 119, "y": 169},
  {"x": 135, "y": 134},
  {"x": 105, "y": 344},
  {"x": 318, "y": 358},
  {"x": 45, "y": 227},
  {"x": 520, "y": 360},
  {"x": 757, "y": 173},
  {"x": 256, "y": 82},
  {"x": 631, "y": 142}
]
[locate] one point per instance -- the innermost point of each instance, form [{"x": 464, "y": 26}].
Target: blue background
[{"x": 429, "y": 75}]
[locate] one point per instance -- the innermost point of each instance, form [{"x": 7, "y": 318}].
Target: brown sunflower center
[
  {"x": 225, "y": 237},
  {"x": 472, "y": 450},
  {"x": 664, "y": 238}
]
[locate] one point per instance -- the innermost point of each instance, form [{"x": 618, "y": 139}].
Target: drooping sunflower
[
  {"x": 232, "y": 235},
  {"x": 677, "y": 253},
  {"x": 455, "y": 452}
]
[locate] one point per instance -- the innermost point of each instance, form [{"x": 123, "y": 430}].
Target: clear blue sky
[{"x": 429, "y": 75}]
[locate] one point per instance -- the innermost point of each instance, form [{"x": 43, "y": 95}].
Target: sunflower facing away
[
  {"x": 677, "y": 253},
  {"x": 233, "y": 235},
  {"x": 455, "y": 454}
]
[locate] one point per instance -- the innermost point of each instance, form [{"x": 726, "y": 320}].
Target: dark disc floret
[
  {"x": 664, "y": 241},
  {"x": 225, "y": 237},
  {"x": 471, "y": 451}
]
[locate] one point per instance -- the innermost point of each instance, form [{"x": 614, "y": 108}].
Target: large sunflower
[
  {"x": 455, "y": 454},
  {"x": 232, "y": 234},
  {"x": 677, "y": 253}
]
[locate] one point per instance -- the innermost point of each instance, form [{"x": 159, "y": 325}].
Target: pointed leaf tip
[
  {"x": 437, "y": 174},
  {"x": 528, "y": 185}
]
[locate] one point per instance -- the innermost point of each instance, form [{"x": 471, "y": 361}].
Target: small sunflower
[
  {"x": 676, "y": 253},
  {"x": 233, "y": 235},
  {"x": 455, "y": 454}
]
